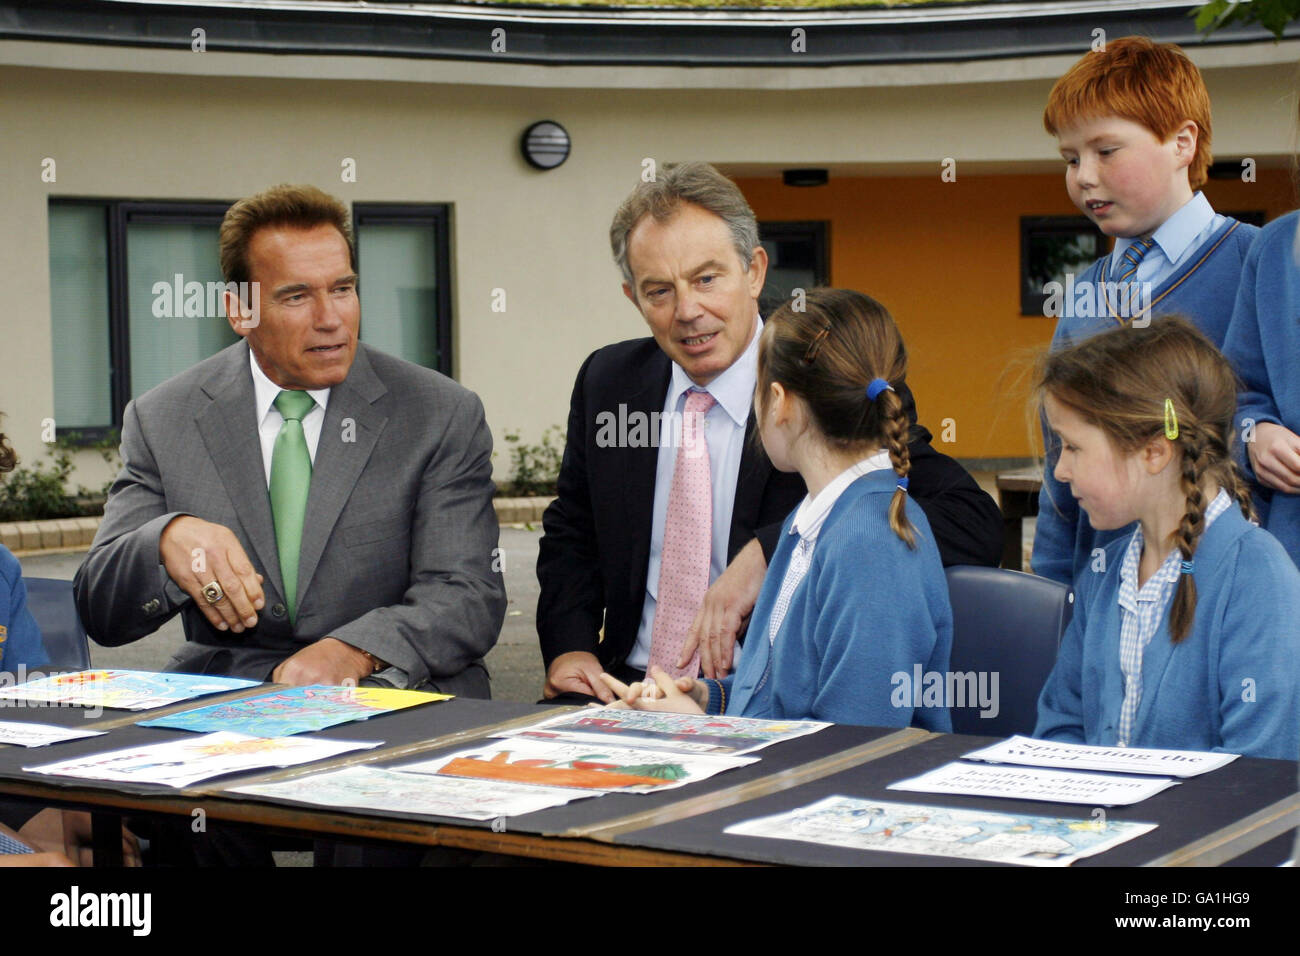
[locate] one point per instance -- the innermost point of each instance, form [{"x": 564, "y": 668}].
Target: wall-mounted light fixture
[{"x": 545, "y": 144}]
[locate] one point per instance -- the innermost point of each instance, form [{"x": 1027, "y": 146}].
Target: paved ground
[{"x": 515, "y": 663}]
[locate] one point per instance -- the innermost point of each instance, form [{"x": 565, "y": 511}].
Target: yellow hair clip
[{"x": 1171, "y": 420}]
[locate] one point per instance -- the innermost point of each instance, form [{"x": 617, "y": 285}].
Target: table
[{"x": 1206, "y": 820}]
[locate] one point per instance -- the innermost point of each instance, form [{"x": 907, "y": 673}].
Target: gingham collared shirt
[
  {"x": 1142, "y": 610},
  {"x": 8, "y": 845}
]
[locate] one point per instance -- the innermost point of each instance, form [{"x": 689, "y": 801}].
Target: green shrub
[
  {"x": 534, "y": 468},
  {"x": 41, "y": 491}
]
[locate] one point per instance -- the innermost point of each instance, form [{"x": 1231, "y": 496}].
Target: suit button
[
  {"x": 278, "y": 610},
  {"x": 150, "y": 606}
]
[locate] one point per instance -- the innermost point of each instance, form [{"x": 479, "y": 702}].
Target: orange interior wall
[{"x": 944, "y": 258}]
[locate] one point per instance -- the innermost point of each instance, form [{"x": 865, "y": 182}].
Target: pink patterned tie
[{"x": 688, "y": 543}]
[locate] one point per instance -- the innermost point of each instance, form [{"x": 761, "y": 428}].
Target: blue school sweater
[
  {"x": 1263, "y": 344},
  {"x": 1202, "y": 291},
  {"x": 20, "y": 639},
  {"x": 1232, "y": 685},
  {"x": 869, "y": 609}
]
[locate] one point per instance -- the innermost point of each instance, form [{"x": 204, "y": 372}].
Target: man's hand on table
[
  {"x": 576, "y": 672},
  {"x": 196, "y": 553},
  {"x": 724, "y": 615},
  {"x": 328, "y": 661}
]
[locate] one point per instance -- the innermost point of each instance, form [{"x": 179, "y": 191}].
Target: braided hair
[{"x": 828, "y": 353}]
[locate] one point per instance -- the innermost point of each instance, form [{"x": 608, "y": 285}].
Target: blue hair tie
[
  {"x": 1187, "y": 567},
  {"x": 877, "y": 386},
  {"x": 902, "y": 483}
]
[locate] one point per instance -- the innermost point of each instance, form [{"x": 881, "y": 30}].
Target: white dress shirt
[
  {"x": 724, "y": 429},
  {"x": 269, "y": 418}
]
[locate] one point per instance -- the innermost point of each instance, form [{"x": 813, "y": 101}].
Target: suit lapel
[
  {"x": 751, "y": 479},
  {"x": 341, "y": 456},
  {"x": 229, "y": 428},
  {"x": 640, "y": 465}
]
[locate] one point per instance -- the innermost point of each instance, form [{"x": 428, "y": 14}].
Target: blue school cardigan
[
  {"x": 1203, "y": 291},
  {"x": 869, "y": 609},
  {"x": 20, "y": 639},
  {"x": 1263, "y": 344},
  {"x": 1232, "y": 685}
]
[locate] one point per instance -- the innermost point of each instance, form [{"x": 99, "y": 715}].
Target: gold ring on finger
[{"x": 212, "y": 593}]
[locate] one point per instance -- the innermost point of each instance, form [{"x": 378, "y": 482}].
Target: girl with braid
[
  {"x": 855, "y": 595},
  {"x": 1186, "y": 634}
]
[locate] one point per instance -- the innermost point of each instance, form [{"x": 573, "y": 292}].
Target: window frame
[
  {"x": 119, "y": 214},
  {"x": 816, "y": 230},
  {"x": 437, "y": 215}
]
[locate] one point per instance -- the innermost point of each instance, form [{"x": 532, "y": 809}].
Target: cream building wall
[{"x": 156, "y": 124}]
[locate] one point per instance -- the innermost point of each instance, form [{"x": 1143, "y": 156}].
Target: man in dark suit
[
  {"x": 688, "y": 248},
  {"x": 316, "y": 510}
]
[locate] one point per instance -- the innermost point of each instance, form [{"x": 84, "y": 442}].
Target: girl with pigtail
[
  {"x": 1186, "y": 634},
  {"x": 855, "y": 594}
]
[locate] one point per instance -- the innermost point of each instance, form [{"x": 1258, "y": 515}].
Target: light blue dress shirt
[
  {"x": 724, "y": 426},
  {"x": 1177, "y": 240}
]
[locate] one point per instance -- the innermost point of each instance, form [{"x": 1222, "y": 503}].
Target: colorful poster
[
  {"x": 180, "y": 763},
  {"x": 680, "y": 733},
  {"x": 1027, "y": 752},
  {"x": 122, "y": 690},
  {"x": 373, "y": 788},
  {"x": 1031, "y": 783},
  {"x": 21, "y": 734},
  {"x": 583, "y": 766},
  {"x": 944, "y": 831},
  {"x": 294, "y": 710}
]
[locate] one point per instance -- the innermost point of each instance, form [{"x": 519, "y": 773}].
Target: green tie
[{"x": 290, "y": 481}]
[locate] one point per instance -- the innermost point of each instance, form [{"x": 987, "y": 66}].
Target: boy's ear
[{"x": 1185, "y": 139}]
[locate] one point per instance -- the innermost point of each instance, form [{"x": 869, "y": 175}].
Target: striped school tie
[{"x": 1134, "y": 255}]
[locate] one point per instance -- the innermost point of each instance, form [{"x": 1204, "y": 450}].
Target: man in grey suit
[{"x": 345, "y": 536}]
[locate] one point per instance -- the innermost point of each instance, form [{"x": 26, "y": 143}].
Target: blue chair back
[
  {"x": 1007, "y": 627},
  {"x": 51, "y": 603}
]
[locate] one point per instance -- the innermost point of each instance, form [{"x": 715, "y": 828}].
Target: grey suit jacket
[{"x": 399, "y": 543}]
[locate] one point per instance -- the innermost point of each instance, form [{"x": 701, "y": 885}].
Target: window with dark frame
[
  {"x": 135, "y": 296},
  {"x": 1052, "y": 247},
  {"x": 124, "y": 313},
  {"x": 404, "y": 257},
  {"x": 798, "y": 256}
]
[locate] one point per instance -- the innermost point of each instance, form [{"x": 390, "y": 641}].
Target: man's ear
[
  {"x": 242, "y": 318},
  {"x": 631, "y": 296},
  {"x": 757, "y": 271}
]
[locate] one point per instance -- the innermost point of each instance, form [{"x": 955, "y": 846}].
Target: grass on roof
[{"x": 728, "y": 4}]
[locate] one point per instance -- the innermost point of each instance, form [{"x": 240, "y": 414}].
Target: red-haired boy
[{"x": 1133, "y": 125}]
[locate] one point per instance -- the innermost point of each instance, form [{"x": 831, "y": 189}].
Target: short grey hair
[{"x": 697, "y": 183}]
